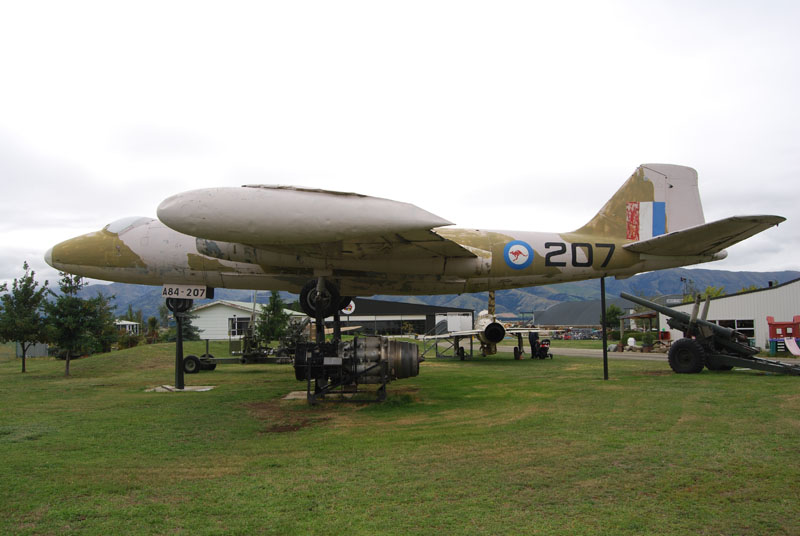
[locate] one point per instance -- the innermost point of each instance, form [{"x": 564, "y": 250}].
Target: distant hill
[
  {"x": 148, "y": 299},
  {"x": 647, "y": 284}
]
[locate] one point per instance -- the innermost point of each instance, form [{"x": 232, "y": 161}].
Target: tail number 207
[{"x": 556, "y": 251}]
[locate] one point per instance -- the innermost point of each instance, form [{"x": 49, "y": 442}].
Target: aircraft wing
[
  {"x": 343, "y": 329},
  {"x": 514, "y": 331},
  {"x": 450, "y": 334},
  {"x": 705, "y": 239},
  {"x": 474, "y": 332}
]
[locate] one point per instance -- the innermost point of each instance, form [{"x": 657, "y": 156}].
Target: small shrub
[
  {"x": 648, "y": 339},
  {"x": 128, "y": 340}
]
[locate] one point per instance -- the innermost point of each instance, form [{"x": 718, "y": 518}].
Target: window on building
[
  {"x": 237, "y": 326},
  {"x": 745, "y": 327}
]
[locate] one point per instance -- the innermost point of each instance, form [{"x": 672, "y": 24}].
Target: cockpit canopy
[{"x": 124, "y": 225}]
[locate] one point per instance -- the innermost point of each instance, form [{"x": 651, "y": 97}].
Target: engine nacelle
[{"x": 494, "y": 332}]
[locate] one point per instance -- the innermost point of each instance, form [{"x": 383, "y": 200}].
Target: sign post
[{"x": 603, "y": 327}]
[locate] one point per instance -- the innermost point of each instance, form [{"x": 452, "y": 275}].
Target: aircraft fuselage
[{"x": 151, "y": 253}]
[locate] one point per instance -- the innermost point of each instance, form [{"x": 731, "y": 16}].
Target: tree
[
  {"x": 76, "y": 325},
  {"x": 152, "y": 330},
  {"x": 748, "y": 289},
  {"x": 272, "y": 320},
  {"x": 21, "y": 317},
  {"x": 710, "y": 291},
  {"x": 68, "y": 317},
  {"x": 134, "y": 316},
  {"x": 163, "y": 315},
  {"x": 103, "y": 327},
  {"x": 188, "y": 330},
  {"x": 613, "y": 313}
]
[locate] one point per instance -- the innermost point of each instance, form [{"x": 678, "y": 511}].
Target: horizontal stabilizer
[{"x": 705, "y": 239}]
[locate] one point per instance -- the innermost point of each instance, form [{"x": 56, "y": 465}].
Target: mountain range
[{"x": 673, "y": 281}]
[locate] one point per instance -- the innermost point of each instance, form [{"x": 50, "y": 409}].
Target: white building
[
  {"x": 127, "y": 326},
  {"x": 747, "y": 312},
  {"x": 223, "y": 319}
]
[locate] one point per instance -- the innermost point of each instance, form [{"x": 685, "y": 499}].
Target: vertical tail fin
[{"x": 655, "y": 200}]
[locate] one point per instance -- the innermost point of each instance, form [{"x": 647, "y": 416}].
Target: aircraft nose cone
[{"x": 84, "y": 250}]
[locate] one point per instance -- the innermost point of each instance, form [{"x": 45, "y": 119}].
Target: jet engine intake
[{"x": 494, "y": 332}]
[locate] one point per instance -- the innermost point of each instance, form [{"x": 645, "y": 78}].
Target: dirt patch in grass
[
  {"x": 654, "y": 373},
  {"x": 281, "y": 419},
  {"x": 790, "y": 402}
]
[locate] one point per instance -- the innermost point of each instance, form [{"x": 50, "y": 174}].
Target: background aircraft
[
  {"x": 489, "y": 332},
  {"x": 328, "y": 245}
]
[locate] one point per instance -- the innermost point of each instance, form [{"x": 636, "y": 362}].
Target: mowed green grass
[{"x": 488, "y": 446}]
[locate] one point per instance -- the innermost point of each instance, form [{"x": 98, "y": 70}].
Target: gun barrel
[
  {"x": 672, "y": 313},
  {"x": 683, "y": 320}
]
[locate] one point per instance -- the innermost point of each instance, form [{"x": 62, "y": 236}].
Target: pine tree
[
  {"x": 272, "y": 321},
  {"x": 79, "y": 326}
]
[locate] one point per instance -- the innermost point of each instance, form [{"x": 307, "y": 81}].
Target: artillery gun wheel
[{"x": 686, "y": 356}]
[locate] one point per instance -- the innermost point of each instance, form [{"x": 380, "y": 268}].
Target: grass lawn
[{"x": 487, "y": 446}]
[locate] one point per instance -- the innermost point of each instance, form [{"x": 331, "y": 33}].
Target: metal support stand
[
  {"x": 337, "y": 328},
  {"x": 179, "y": 307},
  {"x": 449, "y": 343},
  {"x": 603, "y": 321},
  {"x": 179, "y": 351}
]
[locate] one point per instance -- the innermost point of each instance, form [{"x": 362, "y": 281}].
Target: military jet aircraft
[
  {"x": 489, "y": 332},
  {"x": 328, "y": 246}
]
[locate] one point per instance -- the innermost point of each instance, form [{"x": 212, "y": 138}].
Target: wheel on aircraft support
[
  {"x": 328, "y": 300},
  {"x": 517, "y": 353},
  {"x": 207, "y": 366},
  {"x": 461, "y": 354},
  {"x": 191, "y": 364}
]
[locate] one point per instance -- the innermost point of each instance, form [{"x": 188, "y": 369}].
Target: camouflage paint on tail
[{"x": 655, "y": 200}]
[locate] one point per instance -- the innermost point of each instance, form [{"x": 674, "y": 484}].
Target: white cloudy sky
[{"x": 506, "y": 115}]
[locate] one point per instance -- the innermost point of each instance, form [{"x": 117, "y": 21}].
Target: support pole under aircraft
[
  {"x": 337, "y": 327},
  {"x": 178, "y": 307},
  {"x": 179, "y": 384},
  {"x": 603, "y": 326}
]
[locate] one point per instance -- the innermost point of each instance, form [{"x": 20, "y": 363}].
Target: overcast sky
[{"x": 499, "y": 115}]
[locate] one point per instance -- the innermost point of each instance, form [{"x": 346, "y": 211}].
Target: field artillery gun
[{"x": 705, "y": 344}]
